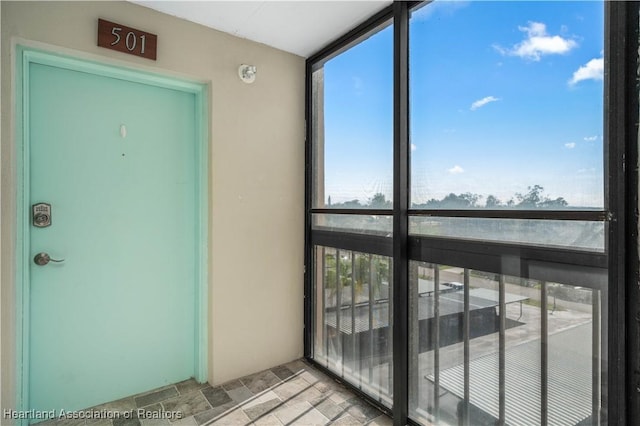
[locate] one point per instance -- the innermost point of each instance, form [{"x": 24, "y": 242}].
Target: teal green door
[{"x": 115, "y": 159}]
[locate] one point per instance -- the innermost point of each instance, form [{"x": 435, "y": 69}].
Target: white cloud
[
  {"x": 592, "y": 70},
  {"x": 482, "y": 102},
  {"x": 413, "y": 147},
  {"x": 570, "y": 145},
  {"x": 456, "y": 170},
  {"x": 590, "y": 138},
  {"x": 538, "y": 43}
]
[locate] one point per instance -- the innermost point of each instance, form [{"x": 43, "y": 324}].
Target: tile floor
[{"x": 290, "y": 394}]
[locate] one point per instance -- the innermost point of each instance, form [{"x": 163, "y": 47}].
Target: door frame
[{"x": 24, "y": 57}]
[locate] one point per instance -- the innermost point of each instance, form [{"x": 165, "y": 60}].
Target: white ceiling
[{"x": 299, "y": 27}]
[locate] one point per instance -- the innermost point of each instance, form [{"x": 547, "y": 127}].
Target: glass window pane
[
  {"x": 581, "y": 235},
  {"x": 352, "y": 326},
  {"x": 352, "y": 119},
  {"x": 497, "y": 358},
  {"x": 375, "y": 225},
  {"x": 507, "y": 105}
]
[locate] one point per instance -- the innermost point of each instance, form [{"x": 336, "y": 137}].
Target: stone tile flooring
[{"x": 290, "y": 394}]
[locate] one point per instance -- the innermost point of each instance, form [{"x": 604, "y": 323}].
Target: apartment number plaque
[{"x": 126, "y": 39}]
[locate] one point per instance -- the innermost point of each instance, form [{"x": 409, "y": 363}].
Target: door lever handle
[{"x": 42, "y": 259}]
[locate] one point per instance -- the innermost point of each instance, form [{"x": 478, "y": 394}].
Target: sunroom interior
[{"x": 432, "y": 205}]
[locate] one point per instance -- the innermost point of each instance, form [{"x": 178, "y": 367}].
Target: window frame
[{"x": 619, "y": 262}]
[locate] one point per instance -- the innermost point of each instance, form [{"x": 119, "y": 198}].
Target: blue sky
[{"x": 504, "y": 95}]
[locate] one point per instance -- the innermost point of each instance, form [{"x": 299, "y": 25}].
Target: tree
[
  {"x": 531, "y": 199},
  {"x": 493, "y": 202},
  {"x": 330, "y": 271},
  {"x": 379, "y": 201},
  {"x": 535, "y": 199},
  {"x": 558, "y": 203},
  {"x": 353, "y": 204},
  {"x": 453, "y": 201}
]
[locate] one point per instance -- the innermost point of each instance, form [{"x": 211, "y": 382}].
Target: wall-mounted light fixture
[{"x": 247, "y": 73}]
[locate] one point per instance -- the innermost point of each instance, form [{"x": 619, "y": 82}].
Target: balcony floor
[{"x": 290, "y": 394}]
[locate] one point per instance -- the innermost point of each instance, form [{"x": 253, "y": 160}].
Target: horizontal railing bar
[
  {"x": 584, "y": 215},
  {"x": 484, "y": 255},
  {"x": 360, "y": 212},
  {"x": 363, "y": 243},
  {"x": 501, "y": 249},
  {"x": 571, "y": 215},
  {"x": 568, "y": 267}
]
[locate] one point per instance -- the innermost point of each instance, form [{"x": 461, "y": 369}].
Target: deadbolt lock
[{"x": 41, "y": 215}]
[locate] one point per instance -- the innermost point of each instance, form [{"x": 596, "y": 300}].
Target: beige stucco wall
[{"x": 256, "y": 182}]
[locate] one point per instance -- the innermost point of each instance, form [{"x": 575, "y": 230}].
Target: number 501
[
  {"x": 130, "y": 40},
  {"x": 126, "y": 39}
]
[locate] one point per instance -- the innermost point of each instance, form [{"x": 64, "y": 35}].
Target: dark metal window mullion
[
  {"x": 309, "y": 262},
  {"x": 569, "y": 215},
  {"x": 622, "y": 337},
  {"x": 400, "y": 212}
]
